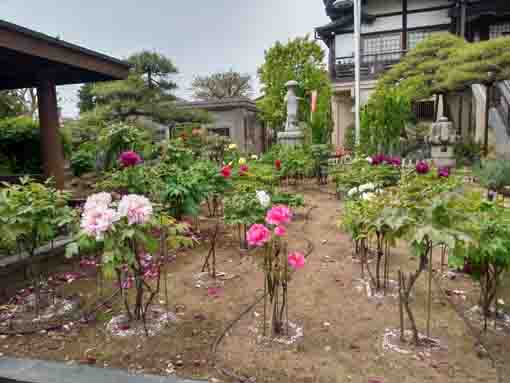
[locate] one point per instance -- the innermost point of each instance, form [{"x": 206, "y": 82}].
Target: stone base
[
  {"x": 295, "y": 138},
  {"x": 443, "y": 156}
]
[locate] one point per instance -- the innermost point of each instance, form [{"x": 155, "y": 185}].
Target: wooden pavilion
[{"x": 30, "y": 59}]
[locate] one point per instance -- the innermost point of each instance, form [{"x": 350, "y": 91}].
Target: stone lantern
[{"x": 442, "y": 140}]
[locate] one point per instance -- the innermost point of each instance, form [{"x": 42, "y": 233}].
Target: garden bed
[{"x": 341, "y": 331}]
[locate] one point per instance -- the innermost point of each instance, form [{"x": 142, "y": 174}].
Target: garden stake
[
  {"x": 400, "y": 305},
  {"x": 429, "y": 304}
]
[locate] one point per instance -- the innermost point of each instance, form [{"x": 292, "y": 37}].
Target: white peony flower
[
  {"x": 352, "y": 192},
  {"x": 232, "y": 146},
  {"x": 368, "y": 196},
  {"x": 264, "y": 198},
  {"x": 254, "y": 157},
  {"x": 98, "y": 200},
  {"x": 136, "y": 208},
  {"x": 367, "y": 187},
  {"x": 98, "y": 220},
  {"x": 369, "y": 160}
]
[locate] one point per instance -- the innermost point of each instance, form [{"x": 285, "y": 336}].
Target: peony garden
[
  {"x": 232, "y": 266},
  {"x": 196, "y": 257}
]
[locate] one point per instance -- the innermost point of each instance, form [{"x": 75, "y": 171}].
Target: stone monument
[
  {"x": 292, "y": 135},
  {"x": 442, "y": 140}
]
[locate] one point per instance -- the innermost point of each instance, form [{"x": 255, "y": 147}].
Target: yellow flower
[{"x": 242, "y": 161}]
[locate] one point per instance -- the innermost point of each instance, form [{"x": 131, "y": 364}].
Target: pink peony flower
[
  {"x": 280, "y": 231},
  {"x": 129, "y": 159},
  {"x": 243, "y": 169},
  {"x": 136, "y": 208},
  {"x": 226, "y": 171},
  {"x": 279, "y": 215},
  {"x": 98, "y": 200},
  {"x": 296, "y": 260},
  {"x": 443, "y": 172},
  {"x": 96, "y": 222},
  {"x": 422, "y": 167},
  {"x": 258, "y": 235}
]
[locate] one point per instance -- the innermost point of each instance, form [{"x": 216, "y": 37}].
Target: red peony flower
[
  {"x": 226, "y": 171},
  {"x": 278, "y": 164}
]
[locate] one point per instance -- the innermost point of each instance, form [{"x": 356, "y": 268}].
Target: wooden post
[
  {"x": 404, "y": 26},
  {"x": 51, "y": 147},
  {"x": 332, "y": 57}
]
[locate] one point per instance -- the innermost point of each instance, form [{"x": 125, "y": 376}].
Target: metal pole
[{"x": 357, "y": 65}]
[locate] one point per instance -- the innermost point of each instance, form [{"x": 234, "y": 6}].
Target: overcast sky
[{"x": 200, "y": 36}]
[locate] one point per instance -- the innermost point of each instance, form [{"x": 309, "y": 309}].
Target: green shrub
[
  {"x": 20, "y": 145},
  {"x": 83, "y": 160},
  {"x": 494, "y": 174}
]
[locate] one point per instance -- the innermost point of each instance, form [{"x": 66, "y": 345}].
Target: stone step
[{"x": 36, "y": 371}]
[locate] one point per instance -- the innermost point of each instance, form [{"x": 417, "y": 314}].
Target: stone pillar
[
  {"x": 292, "y": 136},
  {"x": 51, "y": 147}
]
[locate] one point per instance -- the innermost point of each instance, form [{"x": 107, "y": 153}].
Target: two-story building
[{"x": 390, "y": 28}]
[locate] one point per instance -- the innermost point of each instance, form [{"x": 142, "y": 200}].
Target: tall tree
[
  {"x": 156, "y": 68},
  {"x": 86, "y": 100},
  {"x": 222, "y": 85},
  {"x": 146, "y": 93},
  {"x": 302, "y": 60}
]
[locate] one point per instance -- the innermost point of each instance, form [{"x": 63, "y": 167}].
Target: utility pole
[{"x": 357, "y": 66}]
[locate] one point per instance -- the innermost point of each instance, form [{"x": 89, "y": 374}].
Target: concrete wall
[
  {"x": 249, "y": 140},
  {"x": 344, "y": 45}
]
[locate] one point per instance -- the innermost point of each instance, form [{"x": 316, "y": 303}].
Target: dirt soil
[{"x": 343, "y": 329}]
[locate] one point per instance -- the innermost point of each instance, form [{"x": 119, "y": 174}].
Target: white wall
[
  {"x": 386, "y": 6},
  {"x": 383, "y": 24},
  {"x": 416, "y": 20},
  {"x": 419, "y": 4},
  {"x": 344, "y": 45}
]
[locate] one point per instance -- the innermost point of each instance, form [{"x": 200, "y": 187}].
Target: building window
[
  {"x": 221, "y": 131},
  {"x": 375, "y": 47},
  {"x": 415, "y": 37},
  {"x": 499, "y": 30}
]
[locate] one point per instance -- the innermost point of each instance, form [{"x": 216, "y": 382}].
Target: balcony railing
[{"x": 372, "y": 65}]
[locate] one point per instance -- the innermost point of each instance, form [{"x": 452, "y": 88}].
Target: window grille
[
  {"x": 499, "y": 30},
  {"x": 377, "y": 45}
]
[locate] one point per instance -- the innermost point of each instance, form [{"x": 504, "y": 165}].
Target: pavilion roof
[{"x": 27, "y": 57}]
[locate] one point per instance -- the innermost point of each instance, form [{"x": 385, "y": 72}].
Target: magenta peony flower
[
  {"x": 129, "y": 159},
  {"x": 395, "y": 161},
  {"x": 280, "y": 231},
  {"x": 258, "y": 235},
  {"x": 296, "y": 260},
  {"x": 443, "y": 172},
  {"x": 378, "y": 159},
  {"x": 226, "y": 171},
  {"x": 279, "y": 215},
  {"x": 243, "y": 169},
  {"x": 422, "y": 167}
]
